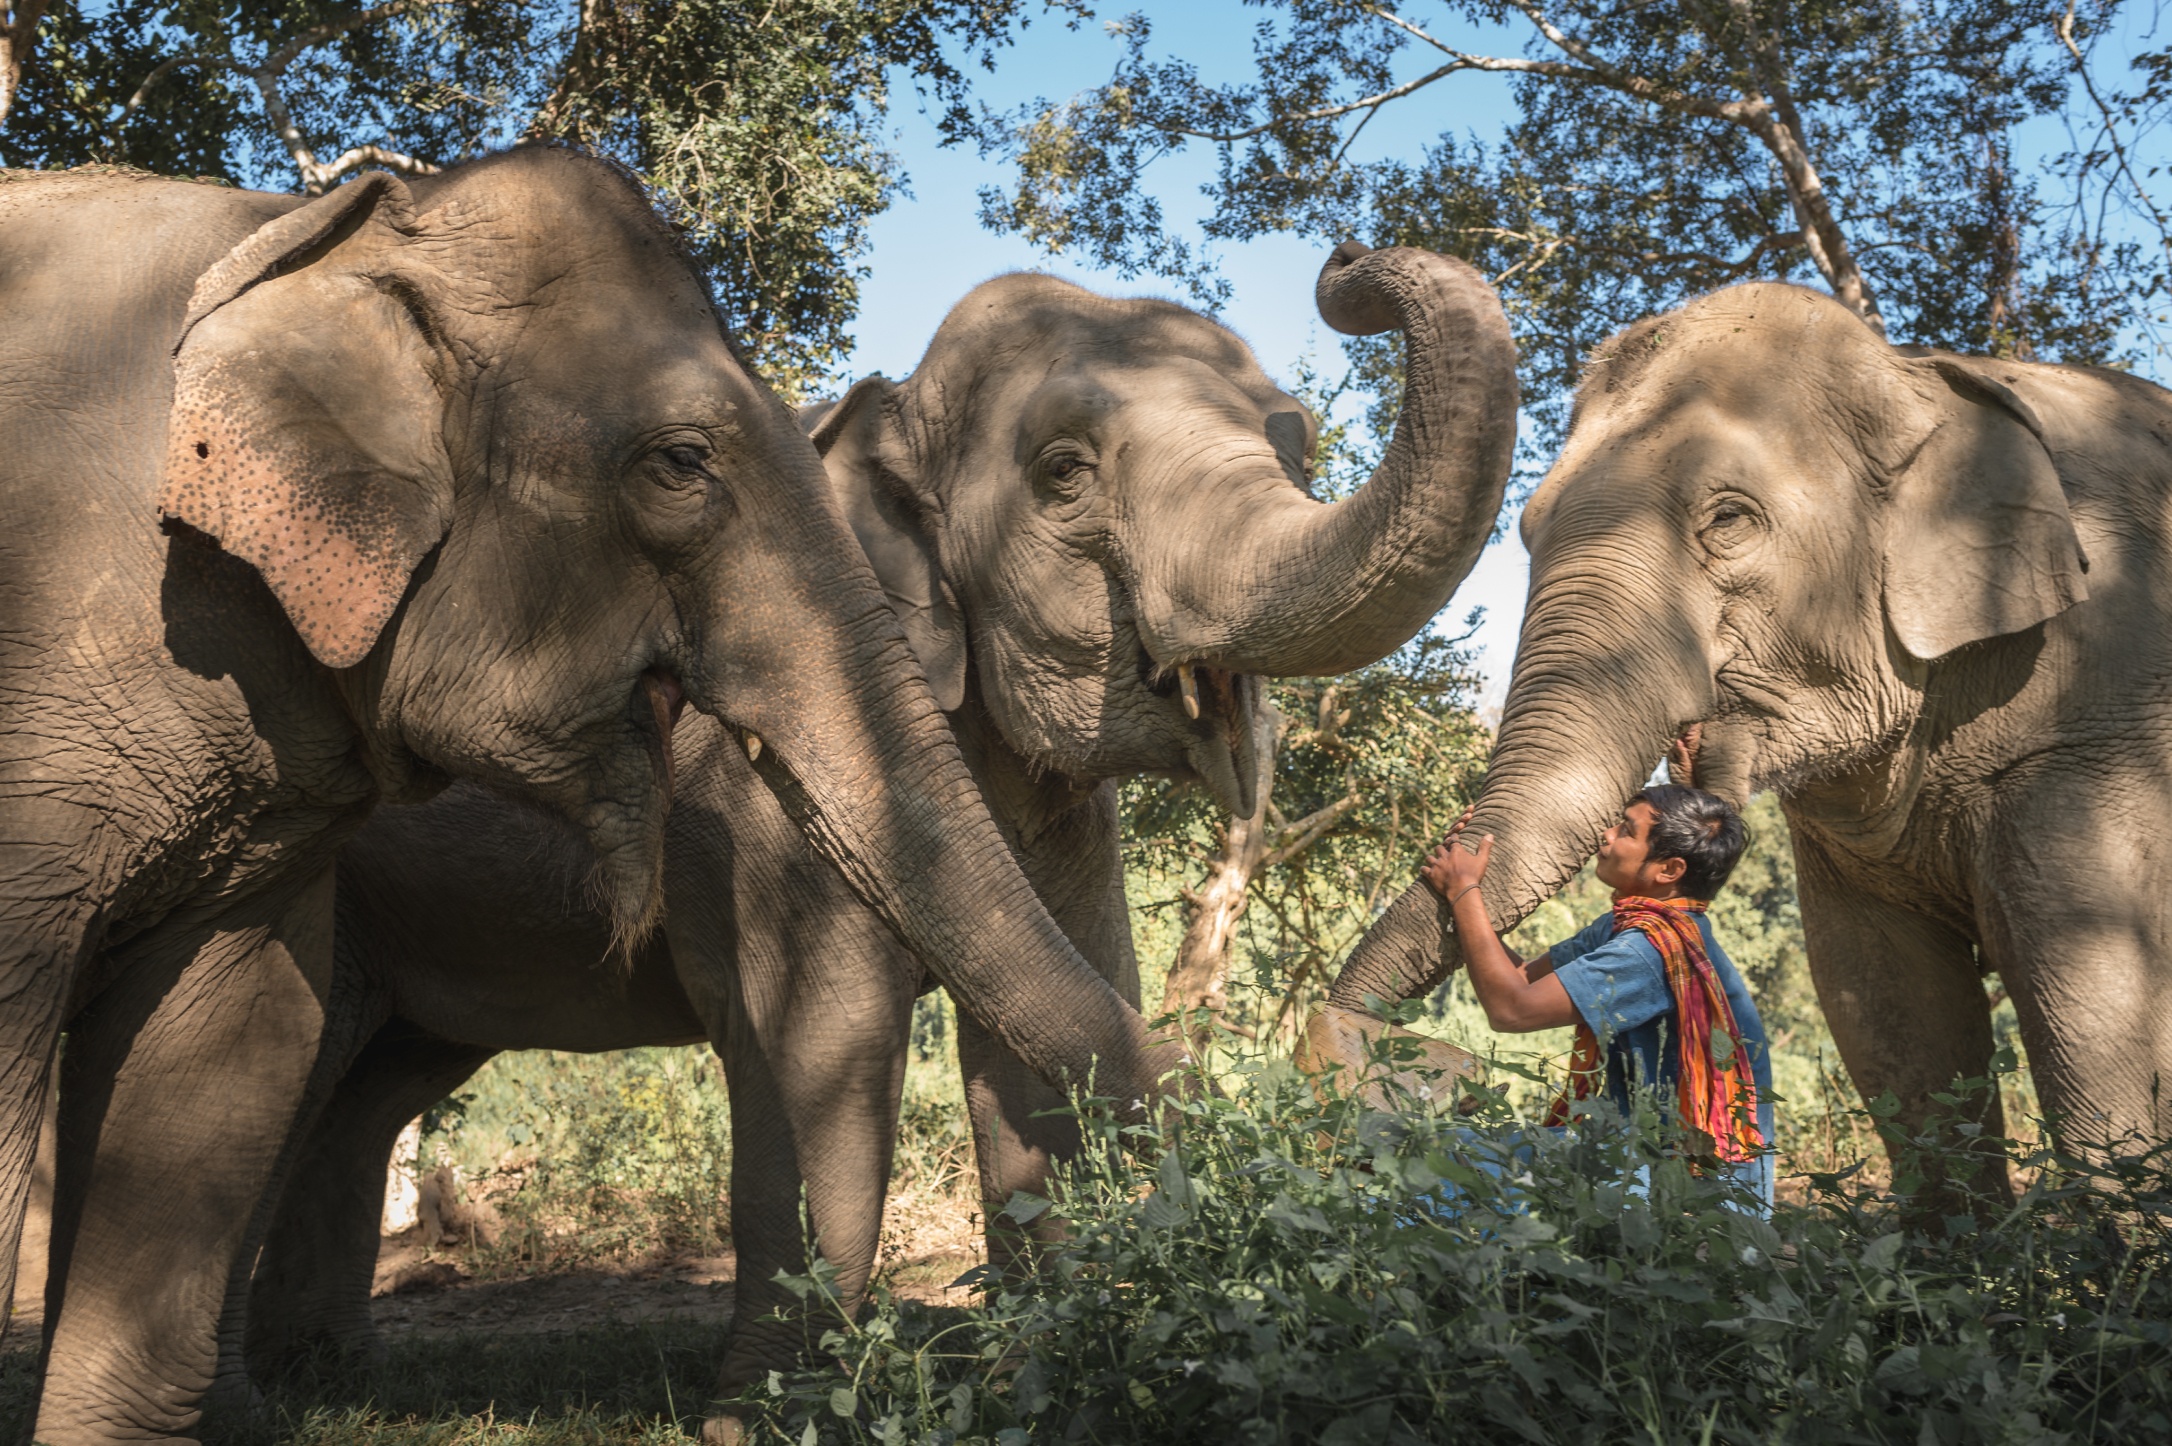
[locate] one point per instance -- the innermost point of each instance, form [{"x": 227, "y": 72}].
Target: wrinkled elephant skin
[
  {"x": 1928, "y": 599},
  {"x": 1048, "y": 502},
  {"x": 459, "y": 478}
]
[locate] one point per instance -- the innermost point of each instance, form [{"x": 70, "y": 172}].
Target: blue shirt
[{"x": 1618, "y": 983}]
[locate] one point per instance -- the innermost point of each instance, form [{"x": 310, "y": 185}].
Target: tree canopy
[
  {"x": 756, "y": 125},
  {"x": 1659, "y": 148}
]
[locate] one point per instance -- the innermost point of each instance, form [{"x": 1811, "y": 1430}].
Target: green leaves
[
  {"x": 756, "y": 124},
  {"x": 1274, "y": 1276},
  {"x": 1645, "y": 163}
]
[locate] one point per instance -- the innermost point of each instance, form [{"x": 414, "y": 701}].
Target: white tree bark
[
  {"x": 403, "y": 1181},
  {"x": 18, "y": 37}
]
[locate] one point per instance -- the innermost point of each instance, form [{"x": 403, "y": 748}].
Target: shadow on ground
[{"x": 631, "y": 1382}]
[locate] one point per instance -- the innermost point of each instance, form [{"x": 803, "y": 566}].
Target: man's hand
[{"x": 1450, "y": 869}]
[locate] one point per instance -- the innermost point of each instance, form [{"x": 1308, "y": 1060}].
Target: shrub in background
[{"x": 1274, "y": 1277}]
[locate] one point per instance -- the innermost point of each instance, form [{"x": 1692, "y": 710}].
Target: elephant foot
[
  {"x": 234, "y": 1406},
  {"x": 358, "y": 1349},
  {"x": 723, "y": 1430},
  {"x": 1343, "y": 1047}
]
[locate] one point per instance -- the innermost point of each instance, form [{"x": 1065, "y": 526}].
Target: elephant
[
  {"x": 1927, "y": 599},
  {"x": 315, "y": 503},
  {"x": 1090, "y": 516}
]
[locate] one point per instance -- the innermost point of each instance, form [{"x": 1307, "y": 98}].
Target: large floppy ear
[
  {"x": 868, "y": 468},
  {"x": 307, "y": 430},
  {"x": 1979, "y": 541}
]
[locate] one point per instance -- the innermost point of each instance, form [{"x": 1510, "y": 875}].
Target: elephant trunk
[
  {"x": 1583, "y": 726},
  {"x": 862, "y": 759},
  {"x": 1297, "y": 587}
]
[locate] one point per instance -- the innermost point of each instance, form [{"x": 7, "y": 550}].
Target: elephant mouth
[
  {"x": 1222, "y": 716},
  {"x": 666, "y": 699}
]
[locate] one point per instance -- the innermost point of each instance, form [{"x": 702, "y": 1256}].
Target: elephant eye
[
  {"x": 1065, "y": 467},
  {"x": 1730, "y": 521},
  {"x": 685, "y": 464}
]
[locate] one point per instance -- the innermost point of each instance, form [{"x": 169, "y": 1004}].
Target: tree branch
[
  {"x": 359, "y": 156},
  {"x": 550, "y": 117},
  {"x": 18, "y": 37},
  {"x": 171, "y": 64},
  {"x": 317, "y": 177},
  {"x": 1784, "y": 135},
  {"x": 1738, "y": 112},
  {"x": 2064, "y": 26},
  {"x": 1308, "y": 831}
]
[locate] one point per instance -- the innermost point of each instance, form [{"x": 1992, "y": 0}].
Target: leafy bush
[
  {"x": 592, "y": 1157},
  {"x": 1276, "y": 1275}
]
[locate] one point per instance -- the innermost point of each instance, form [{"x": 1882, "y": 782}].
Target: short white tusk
[
  {"x": 1189, "y": 687},
  {"x": 754, "y": 747}
]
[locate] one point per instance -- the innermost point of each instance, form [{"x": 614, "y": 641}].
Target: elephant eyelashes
[
  {"x": 1063, "y": 469},
  {"x": 1730, "y": 525},
  {"x": 687, "y": 466}
]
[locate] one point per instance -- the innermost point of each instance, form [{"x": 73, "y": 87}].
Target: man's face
[{"x": 1624, "y": 862}]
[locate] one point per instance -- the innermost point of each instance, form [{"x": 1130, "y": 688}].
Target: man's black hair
[{"x": 1699, "y": 829}]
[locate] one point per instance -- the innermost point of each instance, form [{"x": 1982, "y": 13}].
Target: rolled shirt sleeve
[{"x": 1617, "y": 985}]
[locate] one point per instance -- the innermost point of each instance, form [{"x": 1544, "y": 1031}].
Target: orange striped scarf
[{"x": 1717, "y": 1098}]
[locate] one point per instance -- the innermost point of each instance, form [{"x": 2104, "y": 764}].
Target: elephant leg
[
  {"x": 1020, "y": 1124},
  {"x": 179, "y": 1085},
  {"x": 1904, "y": 997},
  {"x": 1020, "y": 1130},
  {"x": 46, "y": 934},
  {"x": 2078, "y": 925},
  {"x": 311, "y": 1289},
  {"x": 814, "y": 1069},
  {"x": 807, "y": 997}
]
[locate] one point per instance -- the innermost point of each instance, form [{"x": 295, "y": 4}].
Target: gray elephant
[
  {"x": 1926, "y": 598},
  {"x": 1090, "y": 515},
  {"x": 459, "y": 479}
]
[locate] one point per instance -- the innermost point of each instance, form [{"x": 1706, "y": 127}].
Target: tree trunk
[
  {"x": 18, "y": 36},
  {"x": 1194, "y": 990},
  {"x": 1250, "y": 846}
]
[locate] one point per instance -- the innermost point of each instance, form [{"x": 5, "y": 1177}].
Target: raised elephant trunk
[
  {"x": 1297, "y": 587},
  {"x": 1581, "y": 731}
]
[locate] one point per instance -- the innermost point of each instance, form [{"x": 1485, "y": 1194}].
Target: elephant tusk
[
  {"x": 754, "y": 748},
  {"x": 1189, "y": 687}
]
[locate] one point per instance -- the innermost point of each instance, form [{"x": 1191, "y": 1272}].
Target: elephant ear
[
  {"x": 1979, "y": 542},
  {"x": 307, "y": 430},
  {"x": 857, "y": 440}
]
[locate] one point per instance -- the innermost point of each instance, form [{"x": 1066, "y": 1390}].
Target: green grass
[{"x": 622, "y": 1384}]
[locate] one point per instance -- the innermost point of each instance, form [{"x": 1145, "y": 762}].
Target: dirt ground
[{"x": 927, "y": 1244}]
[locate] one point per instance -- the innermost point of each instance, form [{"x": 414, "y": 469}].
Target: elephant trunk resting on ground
[
  {"x": 459, "y": 478},
  {"x": 1928, "y": 599},
  {"x": 1046, "y": 500}
]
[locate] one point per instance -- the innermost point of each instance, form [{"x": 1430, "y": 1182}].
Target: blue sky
[{"x": 928, "y": 249}]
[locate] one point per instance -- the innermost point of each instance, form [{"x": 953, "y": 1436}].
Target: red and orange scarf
[{"x": 1718, "y": 1099}]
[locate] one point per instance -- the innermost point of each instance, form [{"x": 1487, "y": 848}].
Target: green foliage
[
  {"x": 1370, "y": 768},
  {"x": 1636, "y": 173},
  {"x": 756, "y": 123},
  {"x": 587, "y": 1158},
  {"x": 592, "y": 1157},
  {"x": 1277, "y": 1274}
]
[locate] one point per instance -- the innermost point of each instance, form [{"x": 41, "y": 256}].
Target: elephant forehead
[
  {"x": 1661, "y": 460},
  {"x": 1147, "y": 388}
]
